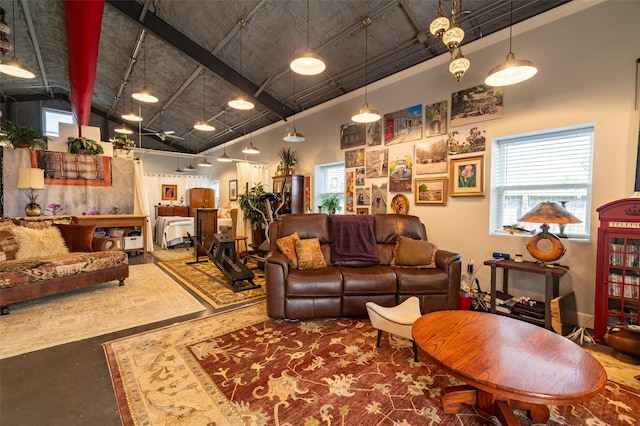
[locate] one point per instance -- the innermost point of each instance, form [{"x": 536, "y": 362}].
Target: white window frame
[
  {"x": 542, "y": 166},
  {"x": 49, "y": 112},
  {"x": 321, "y": 175}
]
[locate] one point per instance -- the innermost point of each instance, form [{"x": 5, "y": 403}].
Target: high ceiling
[{"x": 184, "y": 44}]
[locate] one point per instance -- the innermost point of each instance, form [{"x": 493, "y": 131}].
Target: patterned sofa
[{"x": 33, "y": 264}]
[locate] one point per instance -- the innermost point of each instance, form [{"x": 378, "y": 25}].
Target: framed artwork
[
  {"x": 467, "y": 141},
  {"x": 400, "y": 204},
  {"x": 353, "y": 134},
  {"x": 360, "y": 176},
  {"x": 363, "y": 196},
  {"x": 362, "y": 210},
  {"x": 170, "y": 192},
  {"x": 354, "y": 158},
  {"x": 435, "y": 119},
  {"x": 348, "y": 191},
  {"x": 307, "y": 193},
  {"x": 233, "y": 190},
  {"x": 403, "y": 126},
  {"x": 479, "y": 103},
  {"x": 431, "y": 156},
  {"x": 379, "y": 198},
  {"x": 431, "y": 191},
  {"x": 377, "y": 164},
  {"x": 374, "y": 133},
  {"x": 400, "y": 174},
  {"x": 466, "y": 176}
]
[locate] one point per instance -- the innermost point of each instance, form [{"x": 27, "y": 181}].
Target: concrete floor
[{"x": 69, "y": 384}]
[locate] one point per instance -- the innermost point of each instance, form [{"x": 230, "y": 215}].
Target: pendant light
[
  {"x": 512, "y": 70},
  {"x": 224, "y": 158},
  {"x": 203, "y": 124},
  {"x": 308, "y": 63},
  {"x": 366, "y": 114},
  {"x": 440, "y": 23},
  {"x": 14, "y": 68},
  {"x": 293, "y": 135},
  {"x": 189, "y": 168},
  {"x": 131, "y": 116},
  {"x": 454, "y": 35},
  {"x": 143, "y": 95},
  {"x": 241, "y": 102},
  {"x": 459, "y": 65},
  {"x": 250, "y": 149},
  {"x": 124, "y": 130},
  {"x": 204, "y": 163},
  {"x": 179, "y": 170}
]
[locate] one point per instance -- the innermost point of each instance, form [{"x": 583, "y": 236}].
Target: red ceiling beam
[{"x": 83, "y": 19}]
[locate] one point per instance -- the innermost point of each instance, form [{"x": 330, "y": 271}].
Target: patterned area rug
[
  {"x": 211, "y": 284},
  {"x": 238, "y": 367},
  {"x": 148, "y": 296},
  {"x": 172, "y": 254}
]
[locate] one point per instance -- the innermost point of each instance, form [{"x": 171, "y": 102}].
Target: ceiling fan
[{"x": 163, "y": 134}]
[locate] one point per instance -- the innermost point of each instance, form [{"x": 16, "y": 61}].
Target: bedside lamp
[
  {"x": 31, "y": 179},
  {"x": 545, "y": 246}
]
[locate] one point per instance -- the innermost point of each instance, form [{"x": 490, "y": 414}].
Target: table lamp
[
  {"x": 545, "y": 246},
  {"x": 31, "y": 179}
]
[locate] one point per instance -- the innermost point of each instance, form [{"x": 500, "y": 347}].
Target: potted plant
[
  {"x": 330, "y": 203},
  {"x": 122, "y": 142},
  {"x": 252, "y": 198},
  {"x": 82, "y": 145},
  {"x": 22, "y": 136},
  {"x": 287, "y": 162}
]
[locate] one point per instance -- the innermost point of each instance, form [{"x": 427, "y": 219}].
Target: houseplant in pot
[
  {"x": 287, "y": 162},
  {"x": 22, "y": 136},
  {"x": 82, "y": 145},
  {"x": 122, "y": 142},
  {"x": 330, "y": 203},
  {"x": 249, "y": 199}
]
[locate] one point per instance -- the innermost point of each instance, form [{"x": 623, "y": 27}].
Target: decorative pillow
[
  {"x": 77, "y": 237},
  {"x": 288, "y": 247},
  {"x": 410, "y": 253},
  {"x": 309, "y": 254},
  {"x": 34, "y": 243},
  {"x": 8, "y": 244}
]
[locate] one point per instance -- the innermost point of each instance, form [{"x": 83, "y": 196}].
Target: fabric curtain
[
  {"x": 140, "y": 199},
  {"x": 250, "y": 174}
]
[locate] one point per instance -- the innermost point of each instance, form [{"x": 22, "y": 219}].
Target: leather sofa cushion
[
  {"x": 388, "y": 227},
  {"x": 314, "y": 282},
  {"x": 370, "y": 280},
  {"x": 307, "y": 226},
  {"x": 422, "y": 281},
  {"x": 77, "y": 237}
]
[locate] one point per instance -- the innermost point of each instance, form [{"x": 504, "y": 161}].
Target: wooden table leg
[
  {"x": 538, "y": 413},
  {"x": 504, "y": 413},
  {"x": 454, "y": 396}
]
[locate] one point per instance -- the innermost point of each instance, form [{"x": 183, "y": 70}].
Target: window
[
  {"x": 329, "y": 180},
  {"x": 554, "y": 165},
  {"x": 52, "y": 117}
]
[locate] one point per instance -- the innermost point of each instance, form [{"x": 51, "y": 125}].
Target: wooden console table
[
  {"x": 551, "y": 283},
  {"x": 118, "y": 221}
]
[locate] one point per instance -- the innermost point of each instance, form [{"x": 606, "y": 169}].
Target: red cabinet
[{"x": 618, "y": 266}]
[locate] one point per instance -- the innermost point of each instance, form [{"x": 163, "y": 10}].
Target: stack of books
[
  {"x": 504, "y": 301},
  {"x": 535, "y": 310}
]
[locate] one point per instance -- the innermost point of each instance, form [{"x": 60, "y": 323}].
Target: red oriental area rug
[{"x": 239, "y": 367}]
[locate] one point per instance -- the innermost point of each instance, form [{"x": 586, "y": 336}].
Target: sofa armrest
[
  {"x": 451, "y": 264},
  {"x": 444, "y": 259},
  {"x": 276, "y": 272},
  {"x": 105, "y": 243}
]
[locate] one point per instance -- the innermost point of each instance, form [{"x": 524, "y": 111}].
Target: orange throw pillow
[
  {"x": 309, "y": 254},
  {"x": 288, "y": 247}
]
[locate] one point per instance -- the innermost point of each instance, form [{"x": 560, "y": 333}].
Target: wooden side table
[{"x": 551, "y": 284}]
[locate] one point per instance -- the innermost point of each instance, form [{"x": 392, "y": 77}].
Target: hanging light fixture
[
  {"x": 144, "y": 95},
  {"x": 14, "y": 68},
  {"x": 459, "y": 65},
  {"x": 366, "y": 114},
  {"x": 124, "y": 130},
  {"x": 205, "y": 163},
  {"x": 250, "y": 149},
  {"x": 203, "y": 124},
  {"x": 189, "y": 168},
  {"x": 131, "y": 116},
  {"x": 308, "y": 63},
  {"x": 241, "y": 102},
  {"x": 454, "y": 35},
  {"x": 512, "y": 70},
  {"x": 440, "y": 23},
  {"x": 293, "y": 135},
  {"x": 179, "y": 170},
  {"x": 224, "y": 158}
]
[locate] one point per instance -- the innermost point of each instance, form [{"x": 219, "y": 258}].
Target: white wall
[{"x": 586, "y": 75}]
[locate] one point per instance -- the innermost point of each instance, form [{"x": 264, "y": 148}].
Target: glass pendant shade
[
  {"x": 123, "y": 130},
  {"x": 365, "y": 115},
  {"x": 203, "y": 126},
  {"x": 15, "y": 69},
  {"x": 205, "y": 163},
  {"x": 459, "y": 65},
  {"x": 143, "y": 95},
  {"x": 453, "y": 37},
  {"x": 293, "y": 136},
  {"x": 308, "y": 64},
  {"x": 241, "y": 102},
  {"x": 511, "y": 71},
  {"x": 250, "y": 149},
  {"x": 439, "y": 25}
]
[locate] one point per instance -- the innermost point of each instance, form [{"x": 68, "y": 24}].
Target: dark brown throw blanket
[{"x": 353, "y": 238}]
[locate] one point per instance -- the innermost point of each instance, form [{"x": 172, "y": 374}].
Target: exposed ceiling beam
[{"x": 185, "y": 45}]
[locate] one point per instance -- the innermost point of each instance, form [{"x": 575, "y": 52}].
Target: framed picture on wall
[
  {"x": 233, "y": 190},
  {"x": 466, "y": 176},
  {"x": 170, "y": 192},
  {"x": 431, "y": 191}
]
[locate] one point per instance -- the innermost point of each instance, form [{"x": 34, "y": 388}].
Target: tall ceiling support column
[{"x": 83, "y": 21}]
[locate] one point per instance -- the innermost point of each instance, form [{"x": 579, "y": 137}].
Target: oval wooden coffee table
[{"x": 507, "y": 364}]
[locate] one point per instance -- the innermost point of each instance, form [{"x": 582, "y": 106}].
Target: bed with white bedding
[{"x": 172, "y": 230}]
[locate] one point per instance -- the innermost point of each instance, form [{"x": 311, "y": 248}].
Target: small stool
[
  {"x": 397, "y": 320},
  {"x": 241, "y": 240}
]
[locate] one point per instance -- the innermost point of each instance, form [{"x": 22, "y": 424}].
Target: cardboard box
[{"x": 132, "y": 243}]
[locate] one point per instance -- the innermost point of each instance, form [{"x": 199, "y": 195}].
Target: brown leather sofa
[
  {"x": 31, "y": 278},
  {"x": 343, "y": 290}
]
